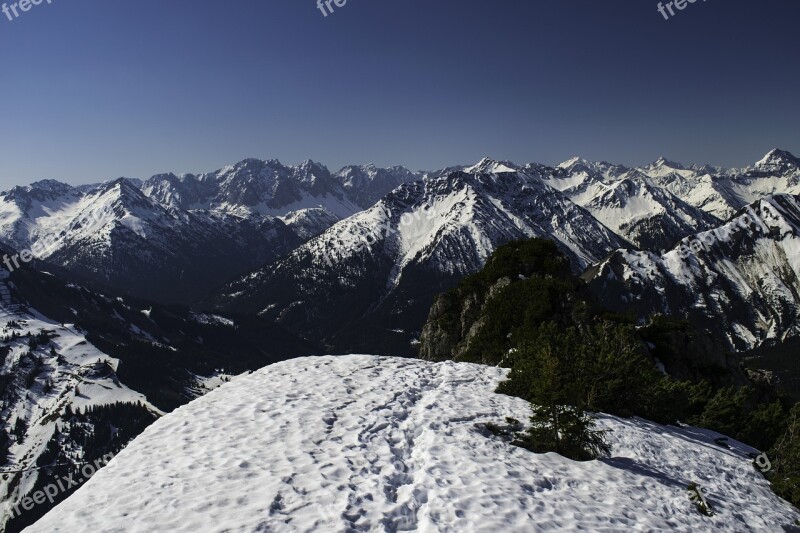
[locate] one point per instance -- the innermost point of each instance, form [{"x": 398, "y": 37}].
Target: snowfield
[{"x": 362, "y": 443}]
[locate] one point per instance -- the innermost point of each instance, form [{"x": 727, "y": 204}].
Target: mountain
[
  {"x": 712, "y": 192},
  {"x": 257, "y": 187},
  {"x": 119, "y": 239},
  {"x": 253, "y": 185},
  {"x": 628, "y": 202},
  {"x": 364, "y": 443},
  {"x": 370, "y": 279},
  {"x": 81, "y": 374},
  {"x": 778, "y": 162},
  {"x": 29, "y": 213},
  {"x": 740, "y": 281},
  {"x": 724, "y": 192},
  {"x": 366, "y": 184},
  {"x": 644, "y": 214}
]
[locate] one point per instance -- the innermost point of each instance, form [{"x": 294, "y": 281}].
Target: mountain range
[
  {"x": 352, "y": 259},
  {"x": 381, "y": 268}
]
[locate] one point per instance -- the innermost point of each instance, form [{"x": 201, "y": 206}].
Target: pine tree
[{"x": 559, "y": 422}]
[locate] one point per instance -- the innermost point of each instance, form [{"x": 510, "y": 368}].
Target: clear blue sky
[{"x": 96, "y": 89}]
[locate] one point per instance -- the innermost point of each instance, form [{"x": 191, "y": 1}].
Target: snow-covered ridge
[
  {"x": 740, "y": 280},
  {"x": 362, "y": 443}
]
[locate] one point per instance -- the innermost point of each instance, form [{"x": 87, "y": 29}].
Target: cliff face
[
  {"x": 454, "y": 321},
  {"x": 460, "y": 315}
]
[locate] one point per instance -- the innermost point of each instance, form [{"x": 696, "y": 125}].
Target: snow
[
  {"x": 490, "y": 166},
  {"x": 211, "y": 319},
  {"x": 751, "y": 263},
  {"x": 363, "y": 443},
  {"x": 565, "y": 184},
  {"x": 612, "y": 205},
  {"x": 572, "y": 162},
  {"x": 420, "y": 228}
]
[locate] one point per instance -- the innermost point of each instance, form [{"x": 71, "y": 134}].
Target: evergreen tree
[{"x": 552, "y": 367}]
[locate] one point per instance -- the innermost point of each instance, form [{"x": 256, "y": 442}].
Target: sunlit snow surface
[{"x": 361, "y": 443}]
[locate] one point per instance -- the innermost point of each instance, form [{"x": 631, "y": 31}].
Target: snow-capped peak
[
  {"x": 569, "y": 163},
  {"x": 51, "y": 186},
  {"x": 491, "y": 166},
  {"x": 664, "y": 162},
  {"x": 778, "y": 160}
]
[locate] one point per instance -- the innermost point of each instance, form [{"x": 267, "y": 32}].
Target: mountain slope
[
  {"x": 30, "y": 213},
  {"x": 740, "y": 281},
  {"x": 369, "y": 443},
  {"x": 167, "y": 352},
  {"x": 50, "y": 370},
  {"x": 646, "y": 215}
]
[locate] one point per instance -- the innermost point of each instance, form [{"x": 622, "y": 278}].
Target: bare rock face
[
  {"x": 444, "y": 338},
  {"x": 436, "y": 341}
]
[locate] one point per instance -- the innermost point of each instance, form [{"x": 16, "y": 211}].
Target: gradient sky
[{"x": 95, "y": 89}]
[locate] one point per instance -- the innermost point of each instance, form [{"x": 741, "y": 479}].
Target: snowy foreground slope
[{"x": 361, "y": 443}]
